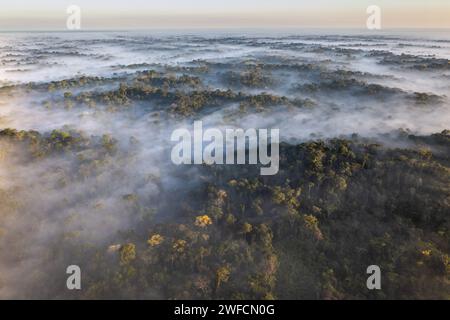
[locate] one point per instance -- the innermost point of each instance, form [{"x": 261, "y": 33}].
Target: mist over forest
[{"x": 86, "y": 177}]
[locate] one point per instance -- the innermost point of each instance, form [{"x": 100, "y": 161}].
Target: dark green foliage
[{"x": 309, "y": 232}]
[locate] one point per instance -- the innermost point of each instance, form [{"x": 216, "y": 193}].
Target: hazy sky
[{"x": 123, "y": 14}]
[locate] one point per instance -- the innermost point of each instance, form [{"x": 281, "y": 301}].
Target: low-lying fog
[{"x": 332, "y": 85}]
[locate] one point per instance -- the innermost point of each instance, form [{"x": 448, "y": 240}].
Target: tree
[
  {"x": 222, "y": 275},
  {"x": 203, "y": 221},
  {"x": 127, "y": 253},
  {"x": 155, "y": 240}
]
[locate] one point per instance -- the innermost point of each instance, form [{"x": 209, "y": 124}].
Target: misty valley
[{"x": 362, "y": 177}]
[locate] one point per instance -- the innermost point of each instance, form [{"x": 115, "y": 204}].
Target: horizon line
[{"x": 225, "y": 28}]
